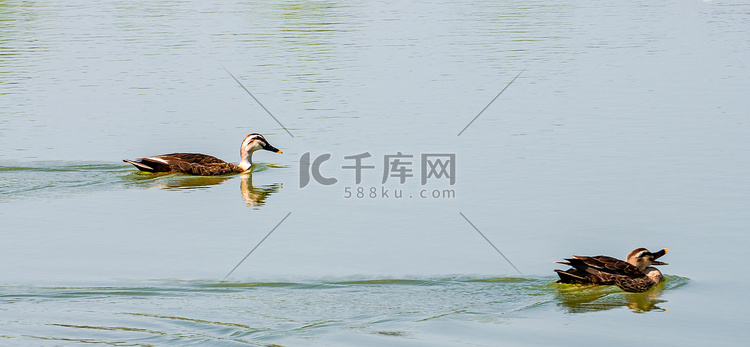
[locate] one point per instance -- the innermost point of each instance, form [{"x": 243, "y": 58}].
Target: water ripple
[
  {"x": 65, "y": 179},
  {"x": 263, "y": 313}
]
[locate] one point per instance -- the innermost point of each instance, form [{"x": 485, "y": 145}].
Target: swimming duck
[
  {"x": 633, "y": 275},
  {"x": 202, "y": 164}
]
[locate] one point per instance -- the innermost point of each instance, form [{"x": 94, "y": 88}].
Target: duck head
[
  {"x": 643, "y": 258},
  {"x": 252, "y": 143}
]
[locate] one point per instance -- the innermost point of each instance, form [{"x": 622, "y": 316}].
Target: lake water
[{"x": 628, "y": 126}]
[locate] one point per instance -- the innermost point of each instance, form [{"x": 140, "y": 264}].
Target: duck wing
[
  {"x": 609, "y": 265},
  {"x": 610, "y": 271},
  {"x": 193, "y": 158},
  {"x": 585, "y": 270},
  {"x": 189, "y": 163}
]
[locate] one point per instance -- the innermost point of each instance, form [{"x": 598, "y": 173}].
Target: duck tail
[
  {"x": 579, "y": 272},
  {"x": 570, "y": 277},
  {"x": 139, "y": 165}
]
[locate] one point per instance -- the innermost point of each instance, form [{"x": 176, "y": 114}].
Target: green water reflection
[{"x": 591, "y": 298}]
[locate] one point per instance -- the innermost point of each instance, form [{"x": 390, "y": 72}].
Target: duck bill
[
  {"x": 272, "y": 149},
  {"x": 658, "y": 254},
  {"x": 656, "y": 262}
]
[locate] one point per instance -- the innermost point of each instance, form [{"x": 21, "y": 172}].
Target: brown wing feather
[
  {"x": 607, "y": 271},
  {"x": 611, "y": 265},
  {"x": 190, "y": 163},
  {"x": 194, "y": 158}
]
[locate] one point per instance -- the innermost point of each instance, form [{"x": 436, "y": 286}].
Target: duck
[
  {"x": 636, "y": 274},
  {"x": 202, "y": 164}
]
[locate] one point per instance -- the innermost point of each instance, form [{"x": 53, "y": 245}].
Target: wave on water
[
  {"x": 56, "y": 179},
  {"x": 63, "y": 179},
  {"x": 179, "y": 312},
  {"x": 524, "y": 286}
]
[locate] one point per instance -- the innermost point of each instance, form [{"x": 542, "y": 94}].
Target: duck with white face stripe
[{"x": 202, "y": 164}]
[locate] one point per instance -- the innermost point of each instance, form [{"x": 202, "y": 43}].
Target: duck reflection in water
[
  {"x": 580, "y": 299},
  {"x": 254, "y": 196}
]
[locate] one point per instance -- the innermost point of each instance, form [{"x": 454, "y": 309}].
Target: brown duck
[
  {"x": 202, "y": 164},
  {"x": 633, "y": 275}
]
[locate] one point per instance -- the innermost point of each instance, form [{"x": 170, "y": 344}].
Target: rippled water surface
[
  {"x": 625, "y": 125},
  {"x": 435, "y": 311}
]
